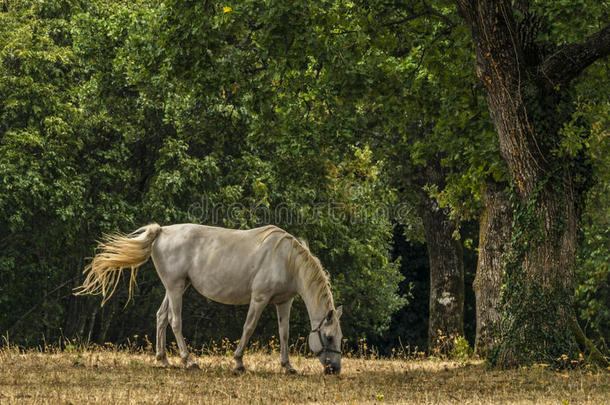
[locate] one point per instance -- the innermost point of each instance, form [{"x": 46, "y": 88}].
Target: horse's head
[{"x": 325, "y": 341}]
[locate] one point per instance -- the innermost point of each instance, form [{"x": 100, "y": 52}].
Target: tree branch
[
  {"x": 427, "y": 11},
  {"x": 466, "y": 8},
  {"x": 570, "y": 60},
  {"x": 433, "y": 11},
  {"x": 406, "y": 19}
]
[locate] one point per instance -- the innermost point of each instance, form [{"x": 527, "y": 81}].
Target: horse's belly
[
  {"x": 227, "y": 299},
  {"x": 224, "y": 288}
]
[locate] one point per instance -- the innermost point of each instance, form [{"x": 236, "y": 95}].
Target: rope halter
[{"x": 325, "y": 347}]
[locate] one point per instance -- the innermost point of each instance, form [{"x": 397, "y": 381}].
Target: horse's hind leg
[
  {"x": 283, "y": 317},
  {"x": 257, "y": 304},
  {"x": 174, "y": 296},
  {"x": 162, "y": 321}
]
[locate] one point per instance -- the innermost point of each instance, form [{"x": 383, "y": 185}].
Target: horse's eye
[{"x": 329, "y": 339}]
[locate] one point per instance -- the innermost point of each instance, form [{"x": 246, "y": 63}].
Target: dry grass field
[{"x": 111, "y": 376}]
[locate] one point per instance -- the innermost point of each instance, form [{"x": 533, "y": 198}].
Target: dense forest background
[{"x": 359, "y": 126}]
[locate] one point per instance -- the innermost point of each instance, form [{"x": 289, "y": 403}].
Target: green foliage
[
  {"x": 40, "y": 145},
  {"x": 461, "y": 350},
  {"x": 592, "y": 271},
  {"x": 113, "y": 125},
  {"x": 593, "y": 278},
  {"x": 569, "y": 21},
  {"x": 317, "y": 117}
]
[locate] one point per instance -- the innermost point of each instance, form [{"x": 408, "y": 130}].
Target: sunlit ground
[{"x": 119, "y": 376}]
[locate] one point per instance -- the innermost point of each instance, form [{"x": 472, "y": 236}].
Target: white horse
[{"x": 256, "y": 267}]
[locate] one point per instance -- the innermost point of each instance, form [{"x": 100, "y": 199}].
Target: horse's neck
[{"x": 316, "y": 309}]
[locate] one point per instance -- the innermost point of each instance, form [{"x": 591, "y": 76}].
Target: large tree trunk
[
  {"x": 523, "y": 90},
  {"x": 446, "y": 278},
  {"x": 446, "y": 268},
  {"x": 494, "y": 236}
]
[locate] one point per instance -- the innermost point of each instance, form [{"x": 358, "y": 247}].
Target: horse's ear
[
  {"x": 339, "y": 311},
  {"x": 329, "y": 316}
]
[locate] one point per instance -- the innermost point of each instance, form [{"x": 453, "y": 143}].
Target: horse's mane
[{"x": 301, "y": 257}]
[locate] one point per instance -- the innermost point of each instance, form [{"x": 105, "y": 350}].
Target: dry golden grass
[{"x": 117, "y": 376}]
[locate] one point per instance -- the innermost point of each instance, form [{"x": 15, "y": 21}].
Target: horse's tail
[{"x": 117, "y": 252}]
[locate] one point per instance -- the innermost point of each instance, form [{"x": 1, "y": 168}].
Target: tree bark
[
  {"x": 524, "y": 104},
  {"x": 446, "y": 278},
  {"x": 446, "y": 258},
  {"x": 494, "y": 236}
]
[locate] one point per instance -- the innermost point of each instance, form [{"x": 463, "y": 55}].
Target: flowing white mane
[{"x": 301, "y": 258}]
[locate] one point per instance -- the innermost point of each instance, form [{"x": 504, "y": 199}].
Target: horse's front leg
[
  {"x": 257, "y": 304},
  {"x": 283, "y": 319}
]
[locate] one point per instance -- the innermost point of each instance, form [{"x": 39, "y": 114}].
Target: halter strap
[{"x": 325, "y": 347}]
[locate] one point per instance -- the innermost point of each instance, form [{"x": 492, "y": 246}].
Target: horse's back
[{"x": 225, "y": 265}]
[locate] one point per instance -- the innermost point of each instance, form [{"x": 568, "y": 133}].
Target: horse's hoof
[
  {"x": 193, "y": 366},
  {"x": 239, "y": 369},
  {"x": 291, "y": 371},
  {"x": 163, "y": 363}
]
